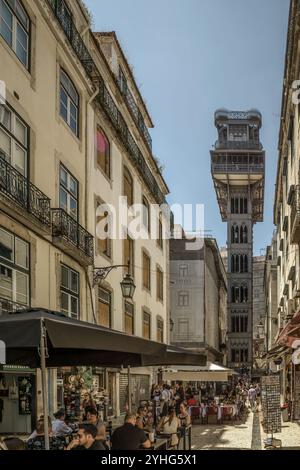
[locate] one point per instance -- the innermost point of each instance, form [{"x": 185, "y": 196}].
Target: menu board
[
  {"x": 270, "y": 400},
  {"x": 25, "y": 387}
]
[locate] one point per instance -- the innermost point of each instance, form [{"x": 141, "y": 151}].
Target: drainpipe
[{"x": 87, "y": 174}]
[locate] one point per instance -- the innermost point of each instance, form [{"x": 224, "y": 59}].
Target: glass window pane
[
  {"x": 22, "y": 252},
  {"x": 74, "y": 282},
  {"x": 6, "y": 245},
  {"x": 63, "y": 199},
  {"x": 6, "y": 282},
  {"x": 21, "y": 288},
  {"x": 5, "y": 143},
  {"x": 63, "y": 177},
  {"x": 73, "y": 125},
  {"x": 73, "y": 186},
  {"x": 6, "y": 20},
  {"x": 64, "y": 276},
  {"x": 73, "y": 208},
  {"x": 20, "y": 160},
  {"x": 21, "y": 14},
  {"x": 21, "y": 132},
  {"x": 64, "y": 302},
  {"x": 22, "y": 45},
  {"x": 5, "y": 117},
  {"x": 63, "y": 105},
  {"x": 74, "y": 307}
]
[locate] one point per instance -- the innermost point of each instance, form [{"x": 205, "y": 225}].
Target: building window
[
  {"x": 243, "y": 234},
  {"x": 160, "y": 232},
  {"x": 239, "y": 293},
  {"x": 183, "y": 299},
  {"x": 128, "y": 186},
  {"x": 103, "y": 244},
  {"x": 103, "y": 151},
  {"x": 128, "y": 254},
  {"x": 234, "y": 234},
  {"x": 68, "y": 192},
  {"x": 129, "y": 318},
  {"x": 239, "y": 263},
  {"x": 14, "y": 139},
  {"x": 146, "y": 214},
  {"x": 69, "y": 291},
  {"x": 183, "y": 329},
  {"x": 160, "y": 284},
  {"x": 160, "y": 331},
  {"x": 104, "y": 307},
  {"x": 146, "y": 325},
  {"x": 183, "y": 270},
  {"x": 69, "y": 102},
  {"x": 239, "y": 324},
  {"x": 14, "y": 268},
  {"x": 15, "y": 28},
  {"x": 239, "y": 355},
  {"x": 146, "y": 271},
  {"x": 239, "y": 205}
]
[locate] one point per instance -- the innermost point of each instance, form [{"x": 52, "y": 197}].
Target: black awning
[
  {"x": 76, "y": 343},
  {"x": 70, "y": 342}
]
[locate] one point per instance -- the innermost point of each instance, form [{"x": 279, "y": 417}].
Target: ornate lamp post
[{"x": 127, "y": 284}]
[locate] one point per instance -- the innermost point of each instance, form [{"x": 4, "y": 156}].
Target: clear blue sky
[{"x": 191, "y": 57}]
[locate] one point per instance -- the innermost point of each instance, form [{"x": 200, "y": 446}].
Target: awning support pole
[
  {"x": 43, "y": 352},
  {"x": 129, "y": 389}
]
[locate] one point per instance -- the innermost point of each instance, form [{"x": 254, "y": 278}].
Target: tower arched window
[
  {"x": 234, "y": 234},
  {"x": 243, "y": 234},
  {"x": 244, "y": 293}
]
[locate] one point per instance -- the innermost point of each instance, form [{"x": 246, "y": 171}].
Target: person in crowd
[
  {"x": 129, "y": 436},
  {"x": 86, "y": 439},
  {"x": 92, "y": 417},
  {"x": 183, "y": 416},
  {"x": 252, "y": 397},
  {"x": 144, "y": 419},
  {"x": 38, "y": 441},
  {"x": 59, "y": 427},
  {"x": 169, "y": 425},
  {"x": 192, "y": 401},
  {"x": 14, "y": 443}
]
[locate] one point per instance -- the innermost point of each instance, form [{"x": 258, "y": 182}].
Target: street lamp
[{"x": 127, "y": 284}]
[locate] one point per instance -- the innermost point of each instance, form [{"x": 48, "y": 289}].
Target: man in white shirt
[{"x": 59, "y": 427}]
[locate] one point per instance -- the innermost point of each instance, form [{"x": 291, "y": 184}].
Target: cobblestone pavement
[
  {"x": 242, "y": 436},
  {"x": 231, "y": 436}
]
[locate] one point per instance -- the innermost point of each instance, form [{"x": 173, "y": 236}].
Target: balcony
[
  {"x": 106, "y": 101},
  {"x": 295, "y": 216},
  {"x": 137, "y": 116},
  {"x": 7, "y": 306},
  {"x": 71, "y": 237},
  {"x": 238, "y": 145},
  {"x": 22, "y": 198}
]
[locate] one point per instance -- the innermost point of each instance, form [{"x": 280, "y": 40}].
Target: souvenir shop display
[
  {"x": 4, "y": 391},
  {"x": 270, "y": 397},
  {"x": 25, "y": 388}
]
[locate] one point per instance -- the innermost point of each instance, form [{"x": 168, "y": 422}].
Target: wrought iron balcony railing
[
  {"x": 137, "y": 116},
  {"x": 7, "y": 306},
  {"x": 295, "y": 216},
  {"x": 66, "y": 228},
  {"x": 19, "y": 190},
  {"x": 105, "y": 99},
  {"x": 238, "y": 145}
]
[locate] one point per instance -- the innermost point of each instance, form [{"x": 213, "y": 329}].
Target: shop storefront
[
  {"x": 79, "y": 387},
  {"x": 140, "y": 390},
  {"x": 17, "y": 400}
]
